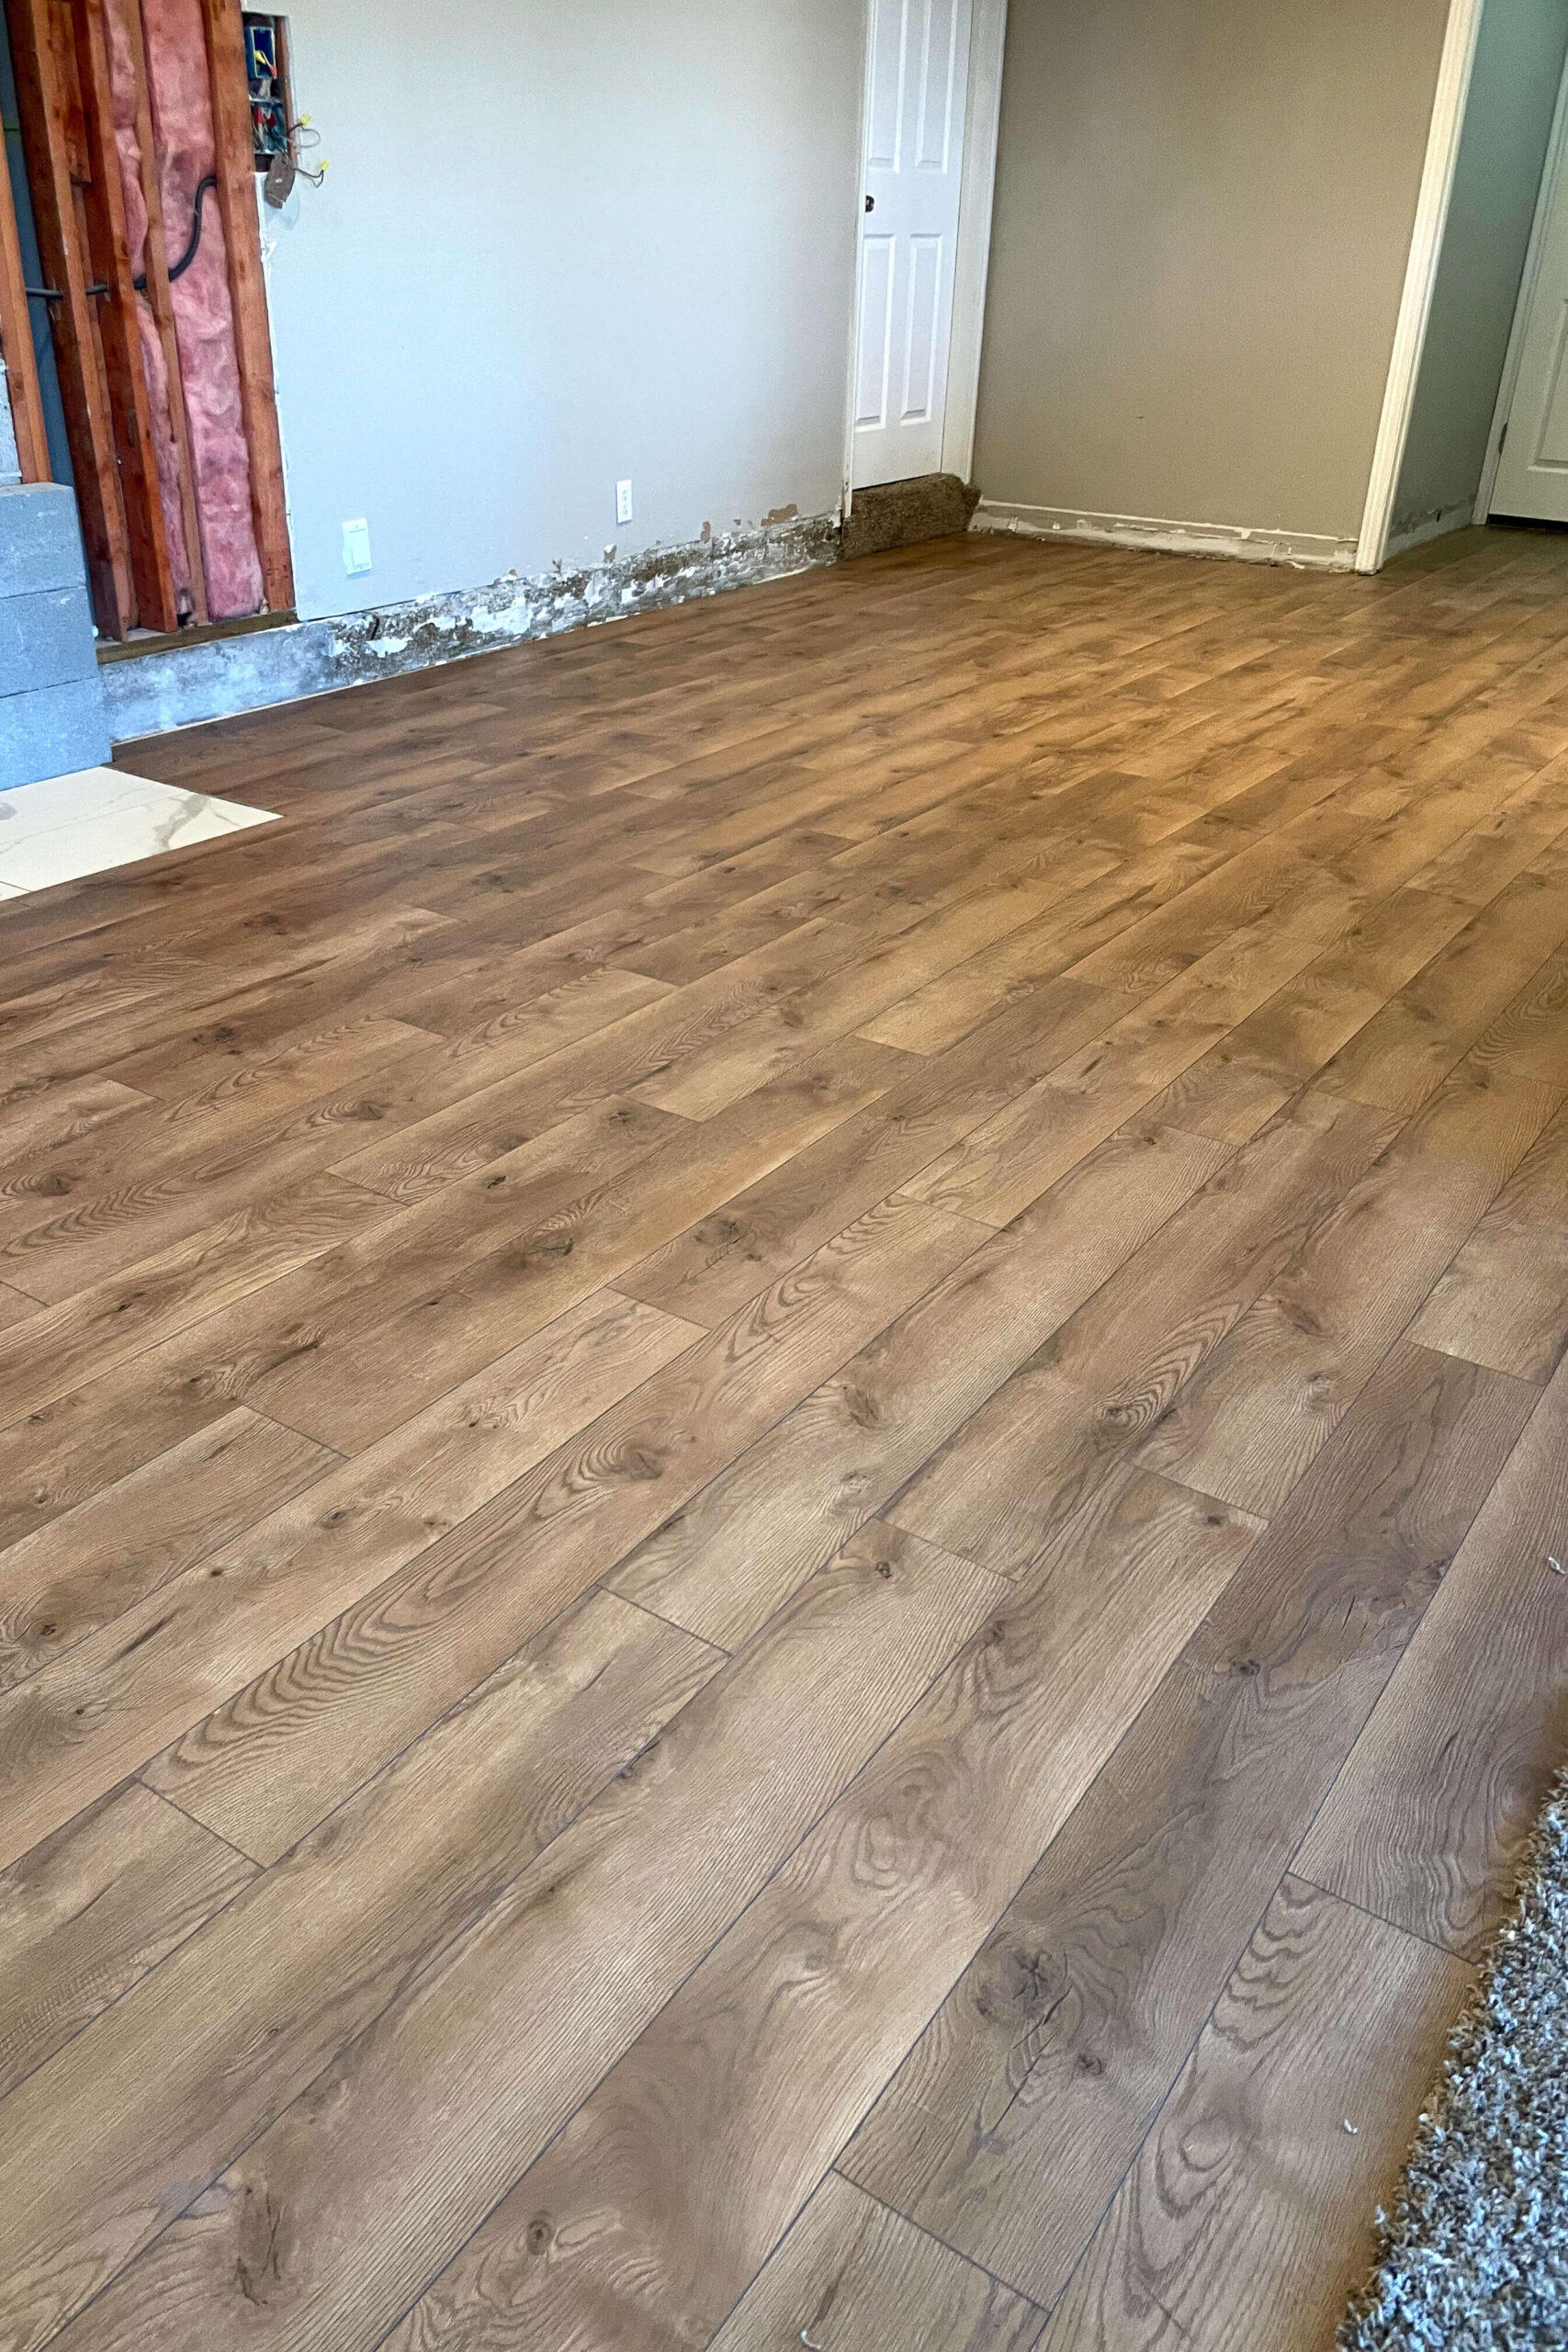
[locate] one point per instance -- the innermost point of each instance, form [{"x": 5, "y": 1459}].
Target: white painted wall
[
  {"x": 560, "y": 242},
  {"x": 1507, "y": 120}
]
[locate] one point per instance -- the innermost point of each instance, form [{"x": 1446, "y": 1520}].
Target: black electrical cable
[{"x": 178, "y": 268}]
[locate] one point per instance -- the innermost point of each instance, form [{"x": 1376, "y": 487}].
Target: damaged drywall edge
[
  {"x": 182, "y": 685},
  {"x": 1309, "y": 550},
  {"x": 1414, "y": 530},
  {"x": 10, "y": 462}
]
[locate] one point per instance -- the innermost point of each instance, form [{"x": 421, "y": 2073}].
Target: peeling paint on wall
[
  {"x": 153, "y": 692},
  {"x": 1303, "y": 550}
]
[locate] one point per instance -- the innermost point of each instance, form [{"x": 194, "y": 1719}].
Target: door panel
[
  {"x": 1532, "y": 476},
  {"x": 875, "y": 358},
  {"x": 916, "y": 87},
  {"x": 925, "y": 273}
]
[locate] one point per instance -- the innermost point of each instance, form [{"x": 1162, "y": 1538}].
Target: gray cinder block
[
  {"x": 45, "y": 639},
  {"x": 53, "y": 733},
  {"x": 40, "y": 546},
  {"x": 52, "y": 717}
]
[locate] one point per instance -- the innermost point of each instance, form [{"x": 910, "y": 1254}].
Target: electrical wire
[{"x": 178, "y": 268}]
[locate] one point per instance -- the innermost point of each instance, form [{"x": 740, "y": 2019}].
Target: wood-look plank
[
  {"x": 1251, "y": 1421},
  {"x": 85, "y": 1567},
  {"x": 108, "y": 1703},
  {"x": 945, "y": 1009},
  {"x": 14, "y": 1307},
  {"x": 93, "y": 1909},
  {"x": 371, "y": 1674},
  {"x": 639, "y": 1871},
  {"x": 411, "y": 1319},
  {"x": 1025, "y": 958},
  {"x": 724, "y": 1562},
  {"x": 1428, "y": 1821},
  {"x": 694, "y": 2155},
  {"x": 1010, "y": 2125},
  {"x": 1005, "y": 1482},
  {"x": 1405, "y": 1050},
  {"x": 1248, "y": 2219},
  {"x": 861, "y": 2275},
  {"x": 710, "y": 1270},
  {"x": 1254, "y": 1071},
  {"x": 39, "y": 1121},
  {"x": 315, "y": 1948},
  {"x": 1504, "y": 1301},
  {"x": 771, "y": 1043},
  {"x": 46, "y": 1356}
]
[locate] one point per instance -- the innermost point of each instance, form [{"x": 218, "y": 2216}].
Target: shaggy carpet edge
[
  {"x": 906, "y": 514},
  {"x": 1474, "y": 2256}
]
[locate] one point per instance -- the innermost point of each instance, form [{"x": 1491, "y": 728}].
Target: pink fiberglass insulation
[
  {"x": 122, "y": 77},
  {"x": 204, "y": 321}
]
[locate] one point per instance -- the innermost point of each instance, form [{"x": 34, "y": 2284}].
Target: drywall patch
[
  {"x": 1308, "y": 550},
  {"x": 186, "y": 684}
]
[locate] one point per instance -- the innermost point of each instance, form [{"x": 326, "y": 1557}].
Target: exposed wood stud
[{"x": 253, "y": 332}]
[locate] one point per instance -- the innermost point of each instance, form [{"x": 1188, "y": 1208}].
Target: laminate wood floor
[{"x": 780, "y": 1424}]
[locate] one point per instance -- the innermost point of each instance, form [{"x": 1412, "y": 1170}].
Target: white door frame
[
  {"x": 1550, "y": 178},
  {"x": 982, "y": 123},
  {"x": 1420, "y": 277}
]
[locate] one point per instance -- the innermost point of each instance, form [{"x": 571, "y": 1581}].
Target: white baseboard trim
[
  {"x": 1310, "y": 551},
  {"x": 1435, "y": 526}
]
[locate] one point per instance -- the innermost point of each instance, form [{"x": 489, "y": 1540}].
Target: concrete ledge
[
  {"x": 53, "y": 731},
  {"x": 1309, "y": 550},
  {"x": 45, "y": 639},
  {"x": 182, "y": 685}
]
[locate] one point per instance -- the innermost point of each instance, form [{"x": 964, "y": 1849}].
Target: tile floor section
[{"x": 80, "y": 824}]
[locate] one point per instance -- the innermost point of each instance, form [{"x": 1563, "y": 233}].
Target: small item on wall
[
  {"x": 278, "y": 185},
  {"x": 357, "y": 546}
]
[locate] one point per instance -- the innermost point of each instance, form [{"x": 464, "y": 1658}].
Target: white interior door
[
  {"x": 916, "y": 86},
  {"x": 1532, "y": 473}
]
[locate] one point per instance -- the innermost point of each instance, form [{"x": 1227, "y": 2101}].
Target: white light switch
[
  {"x": 623, "y": 501},
  {"x": 357, "y": 546}
]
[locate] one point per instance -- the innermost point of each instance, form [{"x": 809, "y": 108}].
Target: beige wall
[
  {"x": 1204, "y": 215},
  {"x": 1513, "y": 93}
]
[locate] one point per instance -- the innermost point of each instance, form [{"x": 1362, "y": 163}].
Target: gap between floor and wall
[{"x": 229, "y": 672}]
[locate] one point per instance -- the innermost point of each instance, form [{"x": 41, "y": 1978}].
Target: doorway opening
[
  {"x": 932, "y": 111},
  {"x": 1475, "y": 415}
]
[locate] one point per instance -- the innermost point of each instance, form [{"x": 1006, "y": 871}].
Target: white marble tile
[{"x": 100, "y": 817}]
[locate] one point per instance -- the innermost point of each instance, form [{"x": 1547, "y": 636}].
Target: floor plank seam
[
  {"x": 1224, "y": 1973},
  {"x": 971, "y": 2261},
  {"x": 1395, "y": 1926},
  {"x": 163, "y": 1797}
]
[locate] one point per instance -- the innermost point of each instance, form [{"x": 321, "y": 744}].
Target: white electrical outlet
[
  {"x": 357, "y": 546},
  {"x": 623, "y": 501}
]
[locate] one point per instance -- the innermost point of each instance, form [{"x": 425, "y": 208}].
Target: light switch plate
[{"x": 357, "y": 546}]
